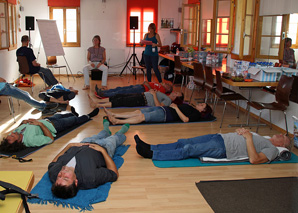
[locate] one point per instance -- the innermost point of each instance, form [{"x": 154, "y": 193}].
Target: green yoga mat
[{"x": 193, "y": 162}]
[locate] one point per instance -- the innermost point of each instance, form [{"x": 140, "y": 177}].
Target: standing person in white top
[{"x": 96, "y": 58}]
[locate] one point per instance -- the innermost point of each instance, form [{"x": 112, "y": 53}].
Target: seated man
[
  {"x": 35, "y": 67},
  {"x": 166, "y": 114},
  {"x": 87, "y": 164},
  {"x": 7, "y": 89},
  {"x": 151, "y": 98},
  {"x": 34, "y": 133},
  {"x": 58, "y": 94},
  {"x": 239, "y": 144},
  {"x": 139, "y": 88}
]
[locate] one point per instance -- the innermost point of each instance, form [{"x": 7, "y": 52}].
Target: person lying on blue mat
[
  {"x": 34, "y": 133},
  {"x": 166, "y": 114},
  {"x": 241, "y": 143},
  {"x": 87, "y": 164}
]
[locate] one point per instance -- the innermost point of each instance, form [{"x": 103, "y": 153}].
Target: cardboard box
[
  {"x": 265, "y": 74},
  {"x": 289, "y": 71}
]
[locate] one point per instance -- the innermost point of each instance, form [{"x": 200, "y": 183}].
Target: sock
[
  {"x": 73, "y": 111},
  {"x": 93, "y": 113},
  {"x": 143, "y": 148},
  {"x": 142, "y": 143},
  {"x": 124, "y": 129},
  {"x": 106, "y": 125}
]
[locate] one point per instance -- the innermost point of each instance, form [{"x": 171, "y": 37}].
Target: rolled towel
[{"x": 284, "y": 154}]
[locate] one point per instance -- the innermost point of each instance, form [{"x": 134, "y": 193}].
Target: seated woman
[
  {"x": 151, "y": 98},
  {"x": 289, "y": 54},
  {"x": 58, "y": 94},
  {"x": 96, "y": 58},
  {"x": 172, "y": 113}
]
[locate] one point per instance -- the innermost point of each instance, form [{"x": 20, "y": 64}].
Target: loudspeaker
[
  {"x": 29, "y": 23},
  {"x": 134, "y": 22}
]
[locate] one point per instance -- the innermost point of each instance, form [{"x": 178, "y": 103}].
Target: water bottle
[
  {"x": 177, "y": 51},
  {"x": 208, "y": 59},
  {"x": 235, "y": 66}
]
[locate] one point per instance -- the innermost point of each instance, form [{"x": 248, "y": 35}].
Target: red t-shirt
[{"x": 156, "y": 86}]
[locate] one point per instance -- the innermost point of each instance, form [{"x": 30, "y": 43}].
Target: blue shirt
[{"x": 148, "y": 48}]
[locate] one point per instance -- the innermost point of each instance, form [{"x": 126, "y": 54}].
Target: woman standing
[
  {"x": 289, "y": 57},
  {"x": 151, "y": 52},
  {"x": 96, "y": 58}
]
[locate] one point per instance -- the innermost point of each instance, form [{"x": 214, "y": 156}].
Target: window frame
[
  {"x": 294, "y": 46},
  {"x": 12, "y": 22},
  {"x": 65, "y": 43},
  {"x": 140, "y": 6},
  {"x": 213, "y": 31}
]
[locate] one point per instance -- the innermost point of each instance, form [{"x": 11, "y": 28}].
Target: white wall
[{"x": 105, "y": 19}]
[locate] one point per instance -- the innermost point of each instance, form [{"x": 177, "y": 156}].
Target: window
[
  {"x": 146, "y": 12},
  {"x": 293, "y": 30},
  {"x": 190, "y": 27},
  {"x": 270, "y": 36},
  {"x": 12, "y": 26},
  {"x": 68, "y": 24},
  {"x": 8, "y": 29},
  {"x": 206, "y": 33},
  {"x": 216, "y": 20}
]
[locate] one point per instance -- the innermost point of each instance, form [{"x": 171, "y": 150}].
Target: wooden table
[
  {"x": 242, "y": 85},
  {"x": 23, "y": 179}
]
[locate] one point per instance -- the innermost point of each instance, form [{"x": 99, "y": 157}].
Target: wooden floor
[{"x": 141, "y": 187}]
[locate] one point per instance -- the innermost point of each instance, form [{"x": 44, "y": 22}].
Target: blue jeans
[
  {"x": 48, "y": 76},
  {"x": 211, "y": 145},
  {"x": 124, "y": 90},
  {"x": 154, "y": 114},
  {"x": 152, "y": 62},
  {"x": 109, "y": 142},
  {"x": 66, "y": 121},
  {"x": 22, "y": 95}
]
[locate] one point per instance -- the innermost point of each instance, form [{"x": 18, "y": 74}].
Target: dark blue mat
[
  {"x": 85, "y": 198},
  {"x": 30, "y": 150}
]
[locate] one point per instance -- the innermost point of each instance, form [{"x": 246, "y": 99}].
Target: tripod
[{"x": 133, "y": 56}]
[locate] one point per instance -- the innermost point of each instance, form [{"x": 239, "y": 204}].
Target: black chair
[
  {"x": 24, "y": 70},
  {"x": 226, "y": 95},
  {"x": 282, "y": 96},
  {"x": 178, "y": 70},
  {"x": 199, "y": 78}
]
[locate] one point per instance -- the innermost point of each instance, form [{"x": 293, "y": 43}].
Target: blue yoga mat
[
  {"x": 85, "y": 198},
  {"x": 194, "y": 162}
]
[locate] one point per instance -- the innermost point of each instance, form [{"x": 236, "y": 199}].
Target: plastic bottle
[{"x": 208, "y": 59}]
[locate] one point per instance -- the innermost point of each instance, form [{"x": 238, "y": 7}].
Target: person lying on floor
[
  {"x": 7, "y": 89},
  {"x": 239, "y": 144},
  {"x": 58, "y": 94},
  {"x": 166, "y": 114},
  {"x": 151, "y": 98},
  {"x": 34, "y": 133},
  {"x": 139, "y": 88},
  {"x": 86, "y": 165}
]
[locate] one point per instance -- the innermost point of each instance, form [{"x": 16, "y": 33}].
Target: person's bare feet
[
  {"x": 86, "y": 87},
  {"x": 91, "y": 102},
  {"x": 108, "y": 112},
  {"x": 74, "y": 90},
  {"x": 112, "y": 119}
]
